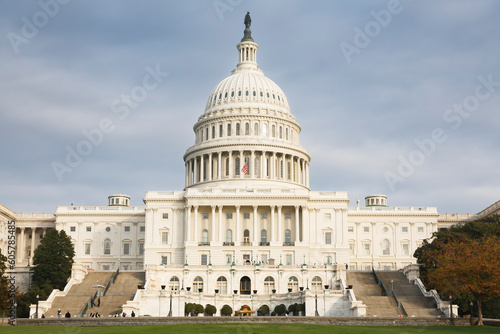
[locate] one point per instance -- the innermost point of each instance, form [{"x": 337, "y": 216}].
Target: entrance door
[{"x": 245, "y": 286}]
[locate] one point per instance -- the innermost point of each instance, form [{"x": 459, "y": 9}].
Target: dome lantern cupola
[{"x": 247, "y": 49}]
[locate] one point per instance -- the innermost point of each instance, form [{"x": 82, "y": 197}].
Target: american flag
[{"x": 245, "y": 169}]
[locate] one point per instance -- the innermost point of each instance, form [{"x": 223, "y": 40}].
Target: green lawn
[{"x": 243, "y": 329}]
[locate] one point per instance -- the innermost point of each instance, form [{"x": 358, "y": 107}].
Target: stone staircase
[
  {"x": 367, "y": 289},
  {"x": 123, "y": 289},
  {"x": 78, "y": 295},
  {"x": 414, "y": 302}
]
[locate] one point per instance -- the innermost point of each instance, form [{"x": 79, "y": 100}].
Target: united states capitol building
[{"x": 247, "y": 229}]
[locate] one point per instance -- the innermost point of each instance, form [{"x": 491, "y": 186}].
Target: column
[
  {"x": 186, "y": 178},
  {"x": 219, "y": 166},
  {"x": 292, "y": 175},
  {"x": 231, "y": 171},
  {"x": 33, "y": 235},
  {"x": 280, "y": 226},
  {"x": 174, "y": 225},
  {"x": 317, "y": 226},
  {"x": 297, "y": 223},
  {"x": 21, "y": 247},
  {"x": 212, "y": 237},
  {"x": 237, "y": 228},
  {"x": 221, "y": 233},
  {"x": 242, "y": 162},
  {"x": 195, "y": 223},
  {"x": 252, "y": 164},
  {"x": 273, "y": 169},
  {"x": 187, "y": 221},
  {"x": 255, "y": 232},
  {"x": 305, "y": 224},
  {"x": 273, "y": 238},
  {"x": 395, "y": 240},
  {"x": 302, "y": 171},
  {"x": 283, "y": 166},
  {"x": 195, "y": 170},
  {"x": 209, "y": 178},
  {"x": 202, "y": 168},
  {"x": 412, "y": 239}
]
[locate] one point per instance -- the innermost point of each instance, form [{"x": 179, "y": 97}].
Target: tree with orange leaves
[{"x": 468, "y": 265}]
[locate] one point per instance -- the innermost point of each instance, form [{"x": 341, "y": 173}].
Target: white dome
[{"x": 244, "y": 87}]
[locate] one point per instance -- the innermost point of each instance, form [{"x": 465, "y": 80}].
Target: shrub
[
  {"x": 210, "y": 310},
  {"x": 293, "y": 308},
  {"x": 264, "y": 309},
  {"x": 189, "y": 308},
  {"x": 226, "y": 310},
  {"x": 280, "y": 309},
  {"x": 199, "y": 309}
]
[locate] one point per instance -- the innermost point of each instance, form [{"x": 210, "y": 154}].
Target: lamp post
[
  {"x": 170, "y": 312},
  {"x": 451, "y": 307},
  {"x": 392, "y": 287},
  {"x": 215, "y": 299},
  {"x": 159, "y": 300},
  {"x": 37, "y": 297}
]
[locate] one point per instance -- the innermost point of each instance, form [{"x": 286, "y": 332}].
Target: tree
[
  {"x": 468, "y": 266},
  {"x": 4, "y": 287},
  {"x": 264, "y": 309},
  {"x": 189, "y": 308},
  {"x": 280, "y": 309},
  {"x": 199, "y": 309},
  {"x": 53, "y": 260}
]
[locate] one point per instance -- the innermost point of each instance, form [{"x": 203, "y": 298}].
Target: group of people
[
  {"x": 59, "y": 313},
  {"x": 94, "y": 315},
  {"x": 118, "y": 315}
]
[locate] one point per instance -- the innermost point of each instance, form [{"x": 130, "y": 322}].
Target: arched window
[
  {"x": 281, "y": 132},
  {"x": 273, "y": 131},
  {"x": 204, "y": 237},
  {"x": 288, "y": 236},
  {"x": 264, "y": 130},
  {"x": 229, "y": 236},
  {"x": 227, "y": 167},
  {"x": 229, "y": 129},
  {"x": 256, "y": 129},
  {"x": 221, "y": 130},
  {"x": 107, "y": 247},
  {"x": 386, "y": 247},
  {"x": 286, "y": 133},
  {"x": 201, "y": 135},
  {"x": 268, "y": 285},
  {"x": 316, "y": 284},
  {"x": 213, "y": 131},
  {"x": 256, "y": 166},
  {"x": 206, "y": 133},
  {"x": 288, "y": 170},
  {"x": 222, "y": 285},
  {"x": 174, "y": 284},
  {"x": 293, "y": 283},
  {"x": 198, "y": 284},
  {"x": 246, "y": 236},
  {"x": 237, "y": 129},
  {"x": 247, "y": 129},
  {"x": 263, "y": 236}
]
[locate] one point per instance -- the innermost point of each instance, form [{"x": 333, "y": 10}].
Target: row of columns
[
  {"x": 276, "y": 231},
  {"x": 22, "y": 244},
  {"x": 216, "y": 169}
]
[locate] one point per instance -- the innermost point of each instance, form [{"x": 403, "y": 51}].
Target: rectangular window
[
  {"x": 263, "y": 216},
  {"x": 263, "y": 258},
  {"x": 164, "y": 260},
  {"x": 127, "y": 228},
  {"x": 366, "y": 229},
  {"x": 288, "y": 216},
  {"x": 246, "y": 216},
  {"x": 72, "y": 229},
  {"x": 406, "y": 249},
  {"x": 229, "y": 216},
  {"x": 87, "y": 249},
  {"x": 164, "y": 238},
  {"x": 204, "y": 259},
  {"x": 366, "y": 249},
  {"x": 404, "y": 229},
  {"x": 142, "y": 229},
  {"x": 350, "y": 229},
  {"x": 165, "y": 215},
  {"x": 288, "y": 259},
  {"x": 229, "y": 258},
  {"x": 205, "y": 216},
  {"x": 328, "y": 238},
  {"x": 328, "y": 216},
  {"x": 141, "y": 248},
  {"x": 126, "y": 249},
  {"x": 88, "y": 228},
  {"x": 351, "y": 249},
  {"x": 420, "y": 230}
]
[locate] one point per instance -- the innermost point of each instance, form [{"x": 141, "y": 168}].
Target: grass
[{"x": 244, "y": 329}]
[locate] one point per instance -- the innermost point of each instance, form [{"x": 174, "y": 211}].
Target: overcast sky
[{"x": 399, "y": 99}]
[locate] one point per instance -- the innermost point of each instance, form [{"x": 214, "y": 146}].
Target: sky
[{"x": 394, "y": 97}]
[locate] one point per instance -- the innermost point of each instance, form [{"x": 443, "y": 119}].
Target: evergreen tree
[
  {"x": 4, "y": 287},
  {"x": 53, "y": 260}
]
